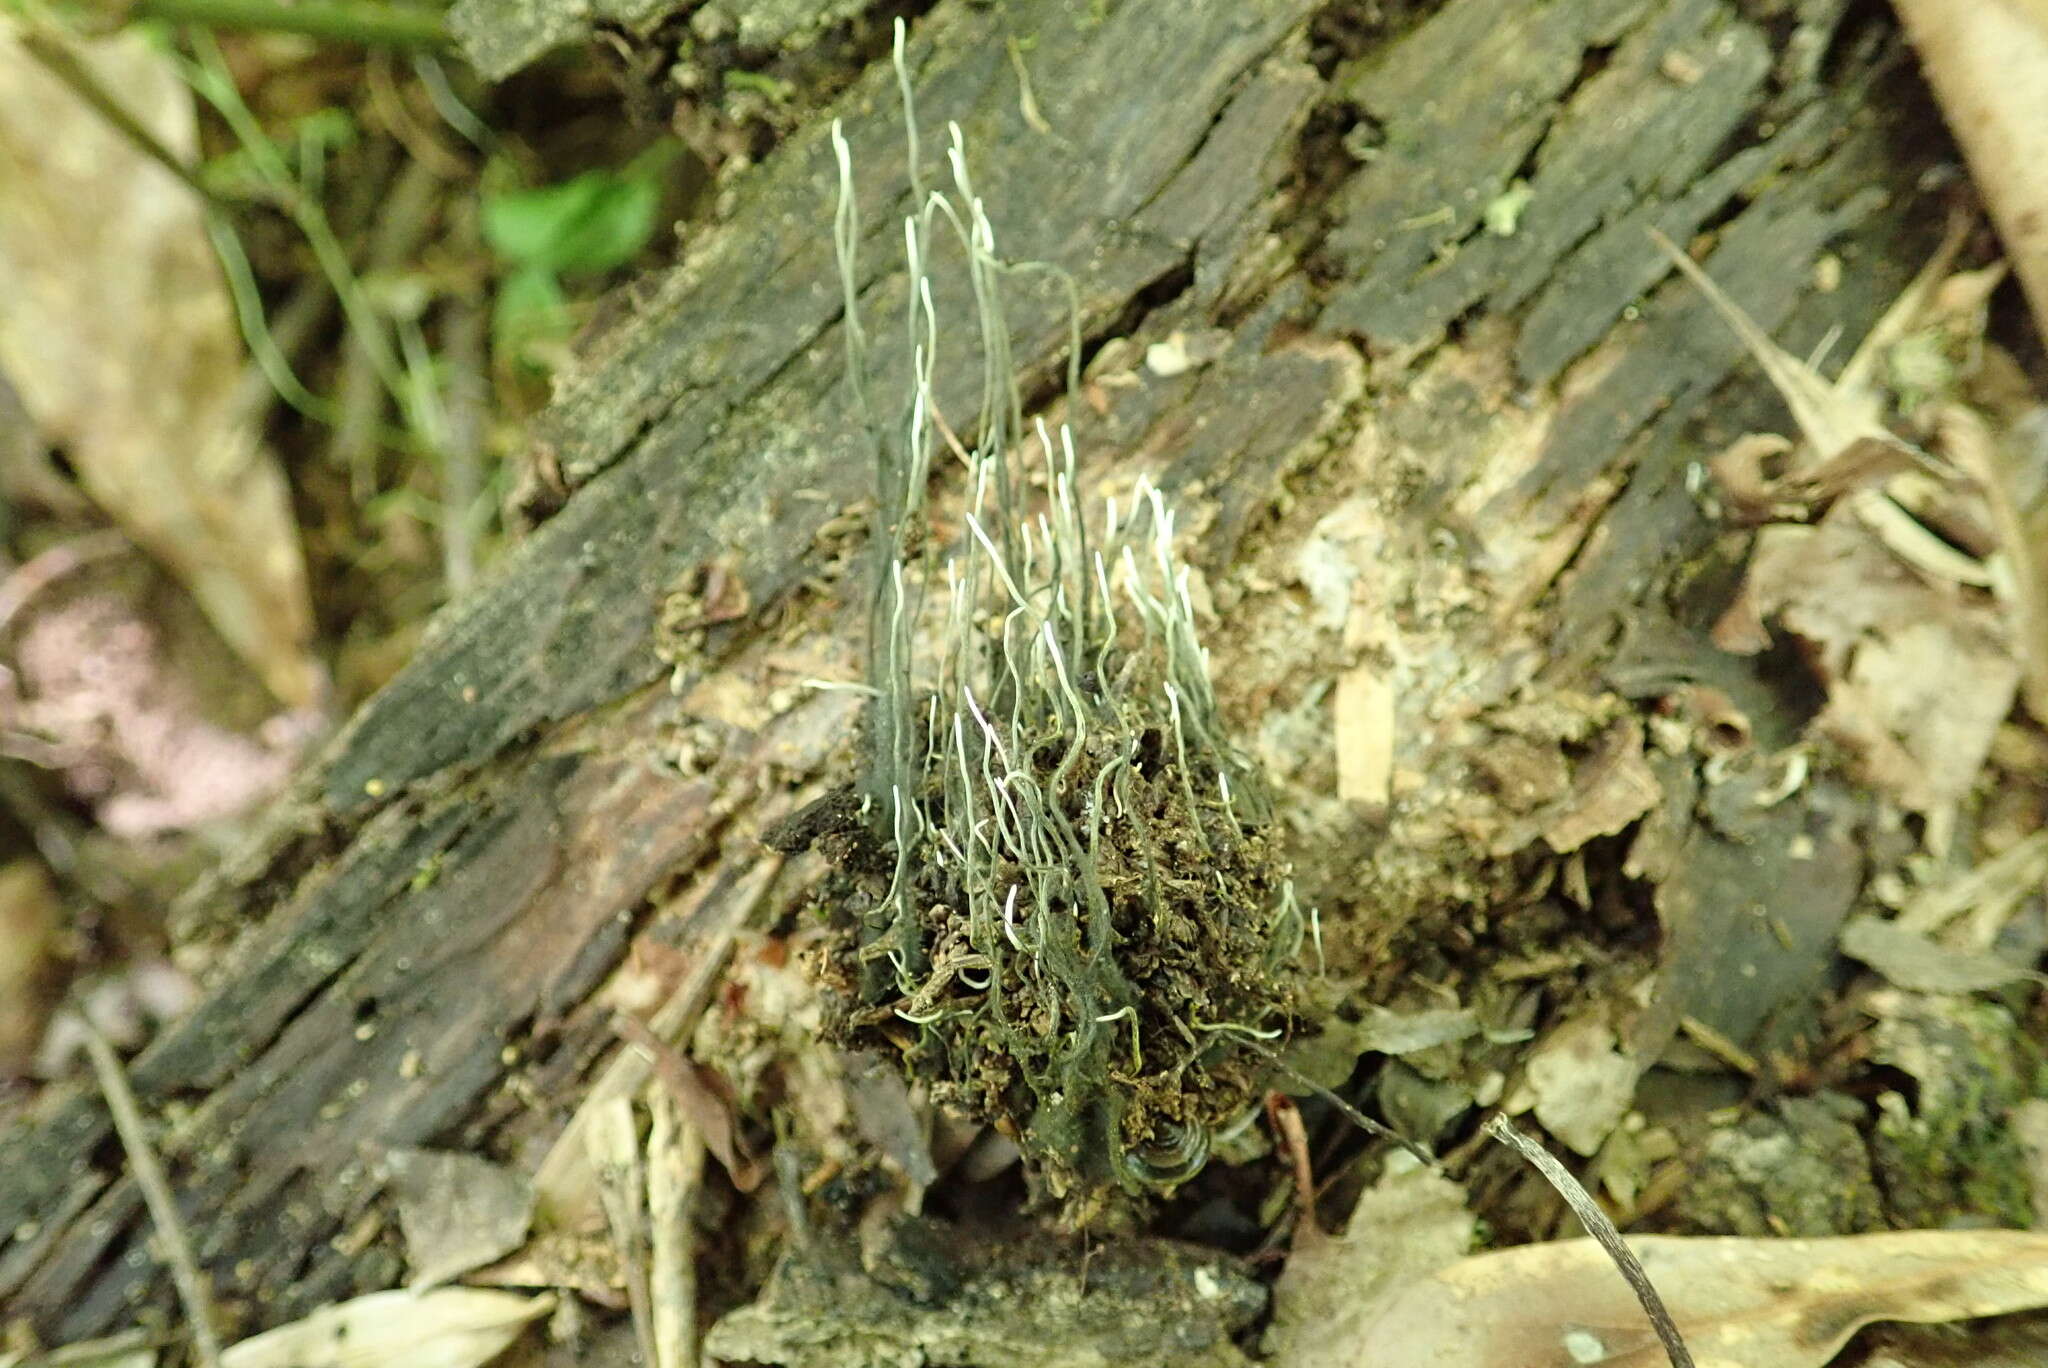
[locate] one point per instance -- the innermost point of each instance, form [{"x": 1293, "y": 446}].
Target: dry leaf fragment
[
  {"x": 2008, "y": 472},
  {"x": 1364, "y": 707},
  {"x": 1400, "y": 1033},
  {"x": 700, "y": 1103},
  {"x": 457, "y": 1211},
  {"x": 1610, "y": 789},
  {"x": 1842, "y": 422},
  {"x": 1581, "y": 1081},
  {"x": 120, "y": 339},
  {"x": 1910, "y": 960},
  {"x": 451, "y": 1327},
  {"x": 1412, "y": 1223},
  {"x": 1739, "y": 1303},
  {"x": 889, "y": 1118},
  {"x": 1917, "y": 674},
  {"x": 1990, "y": 893}
]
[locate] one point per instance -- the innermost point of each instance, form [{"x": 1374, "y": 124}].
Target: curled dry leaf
[
  {"x": 120, "y": 339},
  {"x": 1757, "y": 492},
  {"x": 1739, "y": 1303},
  {"x": 453, "y": 1327}
]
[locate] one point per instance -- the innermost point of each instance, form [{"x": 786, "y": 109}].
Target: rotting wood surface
[{"x": 1507, "y": 417}]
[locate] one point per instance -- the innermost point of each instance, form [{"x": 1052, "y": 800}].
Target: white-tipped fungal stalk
[{"x": 1064, "y": 907}]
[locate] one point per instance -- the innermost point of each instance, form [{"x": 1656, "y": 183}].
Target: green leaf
[
  {"x": 528, "y": 313},
  {"x": 599, "y": 220}
]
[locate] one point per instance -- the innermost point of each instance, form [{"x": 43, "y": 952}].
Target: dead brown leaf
[
  {"x": 697, "y": 1100},
  {"x": 1916, "y": 672},
  {"x": 121, "y": 340},
  {"x": 1739, "y": 1303},
  {"x": 451, "y": 1327},
  {"x": 1410, "y": 1224}
]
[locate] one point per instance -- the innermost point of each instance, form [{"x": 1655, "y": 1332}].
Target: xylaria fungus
[{"x": 1056, "y": 894}]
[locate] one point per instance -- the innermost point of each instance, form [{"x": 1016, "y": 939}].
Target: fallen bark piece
[
  {"x": 936, "y": 1296},
  {"x": 1365, "y": 737}
]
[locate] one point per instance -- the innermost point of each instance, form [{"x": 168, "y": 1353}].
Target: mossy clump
[
  {"x": 1058, "y": 895},
  {"x": 1949, "y": 1153}
]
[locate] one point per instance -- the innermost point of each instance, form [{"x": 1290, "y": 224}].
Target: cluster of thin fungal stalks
[{"x": 1071, "y": 919}]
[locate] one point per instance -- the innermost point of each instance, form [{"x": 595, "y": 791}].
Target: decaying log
[{"x": 1426, "y": 332}]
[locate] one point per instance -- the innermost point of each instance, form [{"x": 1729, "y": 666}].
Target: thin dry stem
[
  {"x": 1601, "y": 1229},
  {"x": 156, "y": 1193},
  {"x": 675, "y": 1175}
]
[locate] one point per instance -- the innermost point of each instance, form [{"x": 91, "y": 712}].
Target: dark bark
[{"x": 419, "y": 924}]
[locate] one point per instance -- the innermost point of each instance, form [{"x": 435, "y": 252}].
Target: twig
[
  {"x": 344, "y": 21},
  {"x": 613, "y": 1145},
  {"x": 1601, "y": 1229},
  {"x": 1294, "y": 1140},
  {"x": 463, "y": 349},
  {"x": 1349, "y": 1112},
  {"x": 675, "y": 1175},
  {"x": 562, "y": 1182},
  {"x": 156, "y": 1193},
  {"x": 402, "y": 224}
]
